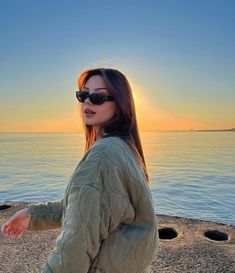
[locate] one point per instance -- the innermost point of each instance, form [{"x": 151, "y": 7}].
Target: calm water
[{"x": 192, "y": 173}]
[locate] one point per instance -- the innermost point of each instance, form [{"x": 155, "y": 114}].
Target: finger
[
  {"x": 19, "y": 230},
  {"x": 10, "y": 230},
  {"x": 13, "y": 233},
  {"x": 19, "y": 234},
  {"x": 7, "y": 231},
  {"x": 3, "y": 229},
  {"x": 22, "y": 232}
]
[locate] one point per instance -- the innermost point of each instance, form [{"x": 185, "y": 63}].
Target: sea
[{"x": 192, "y": 172}]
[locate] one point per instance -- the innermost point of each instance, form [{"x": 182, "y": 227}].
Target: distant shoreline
[
  {"x": 215, "y": 130},
  {"x": 222, "y": 130}
]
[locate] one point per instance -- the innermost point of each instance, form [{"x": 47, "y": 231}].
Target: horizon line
[{"x": 171, "y": 130}]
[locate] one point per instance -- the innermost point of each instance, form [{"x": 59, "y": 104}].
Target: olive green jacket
[{"x": 107, "y": 219}]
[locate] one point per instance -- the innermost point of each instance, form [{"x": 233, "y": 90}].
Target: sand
[{"x": 189, "y": 251}]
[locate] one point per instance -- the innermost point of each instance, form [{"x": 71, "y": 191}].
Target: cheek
[
  {"x": 81, "y": 108},
  {"x": 108, "y": 112},
  {"x": 112, "y": 111}
]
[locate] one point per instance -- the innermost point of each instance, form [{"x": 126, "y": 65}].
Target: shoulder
[
  {"x": 113, "y": 148},
  {"x": 108, "y": 155},
  {"x": 101, "y": 147},
  {"x": 111, "y": 144},
  {"x": 117, "y": 155},
  {"x": 104, "y": 152},
  {"x": 109, "y": 141},
  {"x": 104, "y": 157}
]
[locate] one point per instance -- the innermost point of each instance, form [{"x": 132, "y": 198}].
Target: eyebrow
[{"x": 96, "y": 89}]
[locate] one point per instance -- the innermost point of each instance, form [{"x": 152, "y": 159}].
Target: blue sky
[{"x": 179, "y": 54}]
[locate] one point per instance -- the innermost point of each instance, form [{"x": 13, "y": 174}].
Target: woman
[{"x": 107, "y": 217}]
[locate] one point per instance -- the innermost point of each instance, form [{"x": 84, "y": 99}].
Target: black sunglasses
[{"x": 95, "y": 98}]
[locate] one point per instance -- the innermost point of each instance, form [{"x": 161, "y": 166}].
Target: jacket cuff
[{"x": 38, "y": 210}]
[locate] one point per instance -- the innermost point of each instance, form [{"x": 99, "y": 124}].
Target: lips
[{"x": 87, "y": 111}]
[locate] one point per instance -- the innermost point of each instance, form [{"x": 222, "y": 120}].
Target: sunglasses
[{"x": 94, "y": 98}]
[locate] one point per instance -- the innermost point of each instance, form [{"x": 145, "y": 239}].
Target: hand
[{"x": 17, "y": 224}]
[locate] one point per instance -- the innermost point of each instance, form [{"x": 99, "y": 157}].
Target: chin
[{"x": 90, "y": 123}]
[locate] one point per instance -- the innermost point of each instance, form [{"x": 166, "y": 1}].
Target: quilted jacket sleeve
[
  {"x": 84, "y": 225},
  {"x": 46, "y": 215}
]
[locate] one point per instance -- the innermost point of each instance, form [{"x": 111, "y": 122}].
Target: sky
[{"x": 178, "y": 56}]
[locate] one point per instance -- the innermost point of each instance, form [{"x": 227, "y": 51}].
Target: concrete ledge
[{"x": 186, "y": 246}]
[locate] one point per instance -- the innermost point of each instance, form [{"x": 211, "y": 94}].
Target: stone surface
[{"x": 189, "y": 251}]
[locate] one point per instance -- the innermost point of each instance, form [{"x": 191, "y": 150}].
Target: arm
[
  {"x": 84, "y": 226},
  {"x": 45, "y": 215}
]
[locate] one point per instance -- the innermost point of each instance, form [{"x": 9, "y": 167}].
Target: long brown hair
[{"x": 124, "y": 122}]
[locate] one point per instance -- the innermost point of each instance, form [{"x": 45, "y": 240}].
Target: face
[{"x": 97, "y": 115}]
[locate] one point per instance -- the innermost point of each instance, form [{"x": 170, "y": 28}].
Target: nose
[{"x": 87, "y": 101}]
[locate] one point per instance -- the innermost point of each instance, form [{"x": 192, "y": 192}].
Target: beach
[{"x": 186, "y": 245}]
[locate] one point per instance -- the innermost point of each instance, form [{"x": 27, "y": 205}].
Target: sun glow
[{"x": 152, "y": 118}]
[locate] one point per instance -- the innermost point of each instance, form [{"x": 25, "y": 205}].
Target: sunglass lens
[
  {"x": 97, "y": 98},
  {"x": 94, "y": 97},
  {"x": 81, "y": 96}
]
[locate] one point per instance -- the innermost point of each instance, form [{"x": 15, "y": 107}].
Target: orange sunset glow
[{"x": 180, "y": 67}]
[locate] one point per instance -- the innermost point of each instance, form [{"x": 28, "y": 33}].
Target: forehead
[{"x": 95, "y": 82}]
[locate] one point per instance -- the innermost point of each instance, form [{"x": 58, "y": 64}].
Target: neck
[{"x": 98, "y": 134}]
